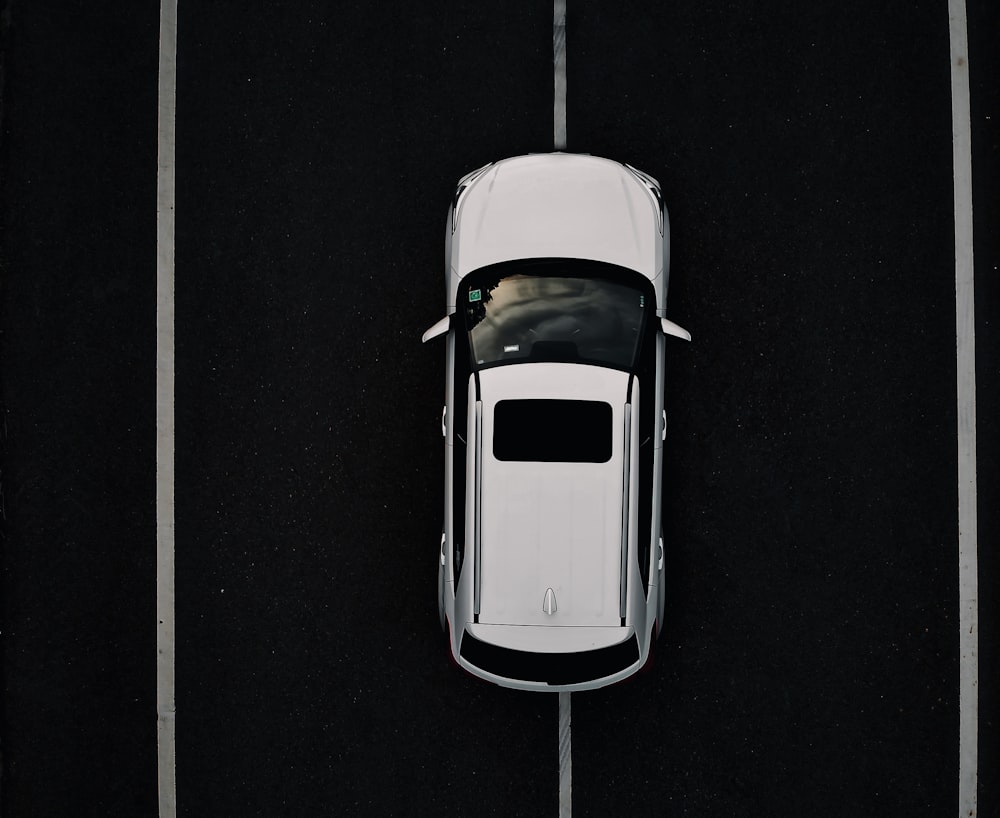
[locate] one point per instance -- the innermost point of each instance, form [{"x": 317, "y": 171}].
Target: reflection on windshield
[{"x": 555, "y": 318}]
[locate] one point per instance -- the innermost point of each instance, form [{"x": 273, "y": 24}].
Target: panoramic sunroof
[{"x": 552, "y": 431}]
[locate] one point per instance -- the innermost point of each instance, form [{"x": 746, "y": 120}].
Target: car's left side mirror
[
  {"x": 440, "y": 328},
  {"x": 670, "y": 328}
]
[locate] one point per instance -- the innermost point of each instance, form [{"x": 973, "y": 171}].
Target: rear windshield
[
  {"x": 553, "y": 431},
  {"x": 550, "y": 668}
]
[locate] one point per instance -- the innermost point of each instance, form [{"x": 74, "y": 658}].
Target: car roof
[{"x": 552, "y": 525}]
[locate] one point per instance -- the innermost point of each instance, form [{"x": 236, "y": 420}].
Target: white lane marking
[
  {"x": 165, "y": 702},
  {"x": 565, "y": 758},
  {"x": 559, "y": 63},
  {"x": 965, "y": 323}
]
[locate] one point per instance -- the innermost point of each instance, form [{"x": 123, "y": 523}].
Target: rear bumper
[{"x": 578, "y": 658}]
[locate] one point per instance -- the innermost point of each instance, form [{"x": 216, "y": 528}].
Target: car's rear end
[
  {"x": 551, "y": 510},
  {"x": 536, "y": 658}
]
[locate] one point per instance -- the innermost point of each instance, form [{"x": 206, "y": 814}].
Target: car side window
[{"x": 460, "y": 390}]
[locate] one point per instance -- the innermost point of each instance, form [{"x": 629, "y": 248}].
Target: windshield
[{"x": 527, "y": 316}]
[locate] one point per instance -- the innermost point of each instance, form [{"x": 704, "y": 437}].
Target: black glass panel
[
  {"x": 560, "y": 310},
  {"x": 552, "y": 431},
  {"x": 550, "y": 668}
]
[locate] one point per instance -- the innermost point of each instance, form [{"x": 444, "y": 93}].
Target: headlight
[
  {"x": 463, "y": 185},
  {"x": 653, "y": 189}
]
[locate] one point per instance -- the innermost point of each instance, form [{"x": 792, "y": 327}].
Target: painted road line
[
  {"x": 965, "y": 330},
  {"x": 165, "y": 702},
  {"x": 565, "y": 758},
  {"x": 559, "y": 62}
]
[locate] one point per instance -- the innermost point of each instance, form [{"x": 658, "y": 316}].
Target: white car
[{"x": 550, "y": 573}]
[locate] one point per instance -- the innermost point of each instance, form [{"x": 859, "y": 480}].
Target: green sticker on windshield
[{"x": 475, "y": 295}]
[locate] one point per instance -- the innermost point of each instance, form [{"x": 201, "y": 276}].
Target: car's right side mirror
[{"x": 670, "y": 328}]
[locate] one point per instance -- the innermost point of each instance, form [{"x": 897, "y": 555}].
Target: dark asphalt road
[
  {"x": 78, "y": 270},
  {"x": 810, "y": 661}
]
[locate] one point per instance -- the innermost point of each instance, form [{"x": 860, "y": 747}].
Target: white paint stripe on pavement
[
  {"x": 965, "y": 327},
  {"x": 565, "y": 758},
  {"x": 165, "y": 702},
  {"x": 559, "y": 63}
]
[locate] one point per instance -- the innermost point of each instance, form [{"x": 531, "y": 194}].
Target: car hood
[
  {"x": 547, "y": 525},
  {"x": 557, "y": 205}
]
